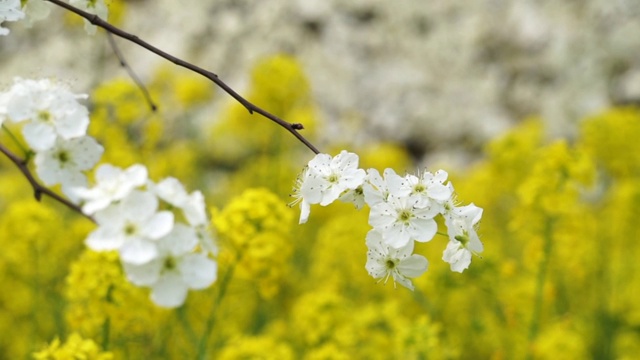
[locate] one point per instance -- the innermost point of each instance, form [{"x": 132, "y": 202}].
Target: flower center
[
  {"x": 420, "y": 188},
  {"x": 63, "y": 156},
  {"x": 130, "y": 229},
  {"x": 333, "y": 178},
  {"x": 170, "y": 263},
  {"x": 391, "y": 264},
  {"x": 404, "y": 216},
  {"x": 464, "y": 238},
  {"x": 44, "y": 116}
]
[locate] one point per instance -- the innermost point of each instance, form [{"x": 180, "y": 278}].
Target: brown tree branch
[
  {"x": 95, "y": 20},
  {"x": 131, "y": 73},
  {"x": 38, "y": 189}
]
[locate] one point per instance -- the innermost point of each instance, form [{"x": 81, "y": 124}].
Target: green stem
[
  {"x": 224, "y": 285},
  {"x": 539, "y": 295}
]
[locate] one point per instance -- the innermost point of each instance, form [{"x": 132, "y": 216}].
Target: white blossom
[
  {"x": 66, "y": 161},
  {"x": 325, "y": 179},
  {"x": 403, "y": 219},
  {"x": 113, "y": 184},
  {"x": 132, "y": 227},
  {"x": 463, "y": 238},
  {"x": 49, "y": 110},
  {"x": 384, "y": 261},
  {"x": 175, "y": 270}
]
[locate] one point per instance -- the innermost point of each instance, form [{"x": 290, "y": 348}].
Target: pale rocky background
[{"x": 443, "y": 77}]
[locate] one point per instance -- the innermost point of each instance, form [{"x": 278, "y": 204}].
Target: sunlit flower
[
  {"x": 50, "y": 111},
  {"x": 428, "y": 186},
  {"x": 175, "y": 270},
  {"x": 132, "y": 227},
  {"x": 65, "y": 162},
  {"x": 375, "y": 187},
  {"x": 402, "y": 219},
  {"x": 463, "y": 239},
  {"x": 113, "y": 184},
  {"x": 384, "y": 261}
]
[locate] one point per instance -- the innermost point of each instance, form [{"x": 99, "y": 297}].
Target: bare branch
[
  {"x": 38, "y": 189},
  {"x": 131, "y": 73},
  {"x": 95, "y": 20}
]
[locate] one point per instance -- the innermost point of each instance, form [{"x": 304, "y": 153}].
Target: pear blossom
[
  {"x": 113, "y": 184},
  {"x": 463, "y": 238},
  {"x": 131, "y": 226},
  {"x": 375, "y": 187},
  {"x": 49, "y": 110},
  {"x": 384, "y": 261},
  {"x": 330, "y": 177},
  {"x": 9, "y": 11},
  {"x": 429, "y": 186},
  {"x": 65, "y": 162},
  {"x": 175, "y": 270},
  {"x": 325, "y": 179},
  {"x": 305, "y": 206},
  {"x": 402, "y": 219}
]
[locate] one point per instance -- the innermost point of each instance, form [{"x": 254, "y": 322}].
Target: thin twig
[
  {"x": 95, "y": 20},
  {"x": 131, "y": 73},
  {"x": 38, "y": 189}
]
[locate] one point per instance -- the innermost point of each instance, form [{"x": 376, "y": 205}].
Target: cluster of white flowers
[
  {"x": 165, "y": 246},
  {"x": 35, "y": 10},
  {"x": 54, "y": 126},
  {"x": 403, "y": 209}
]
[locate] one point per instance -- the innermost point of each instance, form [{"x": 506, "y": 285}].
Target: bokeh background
[{"x": 530, "y": 106}]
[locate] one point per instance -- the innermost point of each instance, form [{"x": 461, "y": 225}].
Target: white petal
[
  {"x": 145, "y": 274},
  {"x": 305, "y": 210},
  {"x": 198, "y": 271},
  {"x": 139, "y": 205},
  {"x": 171, "y": 191},
  {"x": 86, "y": 152},
  {"x": 413, "y": 266},
  {"x": 40, "y": 136},
  {"x": 103, "y": 239},
  {"x": 138, "y": 251},
  {"x": 158, "y": 225},
  {"x": 170, "y": 291},
  {"x": 181, "y": 240}
]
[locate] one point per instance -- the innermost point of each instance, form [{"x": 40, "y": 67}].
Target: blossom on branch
[
  {"x": 384, "y": 261},
  {"x": 325, "y": 179},
  {"x": 463, "y": 238}
]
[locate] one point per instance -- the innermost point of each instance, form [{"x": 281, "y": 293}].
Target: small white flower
[
  {"x": 192, "y": 205},
  {"x": 402, "y": 219},
  {"x": 428, "y": 186},
  {"x": 50, "y": 111},
  {"x": 375, "y": 187},
  {"x": 384, "y": 261},
  {"x": 113, "y": 184},
  {"x": 9, "y": 11},
  {"x": 463, "y": 239},
  {"x": 65, "y": 162},
  {"x": 329, "y": 177},
  {"x": 132, "y": 227},
  {"x": 325, "y": 179},
  {"x": 176, "y": 269}
]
